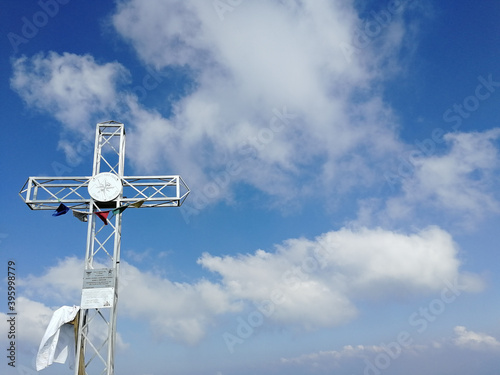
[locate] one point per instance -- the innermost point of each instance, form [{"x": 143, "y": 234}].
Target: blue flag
[{"x": 61, "y": 210}]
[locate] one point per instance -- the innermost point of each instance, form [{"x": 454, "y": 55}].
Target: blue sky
[{"x": 344, "y": 173}]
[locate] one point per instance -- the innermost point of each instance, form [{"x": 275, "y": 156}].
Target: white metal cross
[{"x": 92, "y": 199}]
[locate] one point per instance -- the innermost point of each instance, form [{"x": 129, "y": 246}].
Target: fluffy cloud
[
  {"x": 304, "y": 283},
  {"x": 177, "y": 310},
  {"x": 473, "y": 340},
  {"x": 75, "y": 89},
  {"x": 337, "y": 127},
  {"x": 278, "y": 285},
  {"x": 332, "y": 270},
  {"x": 460, "y": 180},
  {"x": 69, "y": 86},
  {"x": 61, "y": 283},
  {"x": 180, "y": 311},
  {"x": 32, "y": 320},
  {"x": 298, "y": 110}
]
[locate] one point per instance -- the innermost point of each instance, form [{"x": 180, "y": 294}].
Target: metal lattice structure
[{"x": 97, "y": 318}]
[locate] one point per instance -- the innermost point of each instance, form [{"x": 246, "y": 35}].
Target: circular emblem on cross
[{"x": 105, "y": 187}]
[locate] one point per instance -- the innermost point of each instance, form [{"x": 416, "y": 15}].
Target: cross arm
[
  {"x": 46, "y": 193},
  {"x": 157, "y": 191}
]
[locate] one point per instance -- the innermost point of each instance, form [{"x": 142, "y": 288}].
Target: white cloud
[
  {"x": 473, "y": 340},
  {"x": 264, "y": 56},
  {"x": 71, "y": 87},
  {"x": 461, "y": 179},
  {"x": 304, "y": 283},
  {"x": 458, "y": 182},
  {"x": 74, "y": 89},
  {"x": 31, "y": 321},
  {"x": 274, "y": 100},
  {"x": 373, "y": 259},
  {"x": 312, "y": 283},
  {"x": 276, "y": 283},
  {"x": 180, "y": 311},
  {"x": 266, "y": 60},
  {"x": 61, "y": 283}
]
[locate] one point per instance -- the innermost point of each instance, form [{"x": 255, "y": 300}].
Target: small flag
[
  {"x": 138, "y": 204},
  {"x": 103, "y": 215},
  {"x": 119, "y": 210},
  {"x": 82, "y": 216},
  {"x": 61, "y": 210}
]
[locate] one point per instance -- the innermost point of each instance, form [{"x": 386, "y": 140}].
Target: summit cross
[{"x": 92, "y": 198}]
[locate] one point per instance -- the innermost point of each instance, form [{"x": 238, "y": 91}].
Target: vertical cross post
[{"x": 97, "y": 326}]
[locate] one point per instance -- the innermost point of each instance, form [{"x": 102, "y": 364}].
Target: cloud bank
[
  {"x": 306, "y": 284},
  {"x": 270, "y": 98},
  {"x": 272, "y": 94}
]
